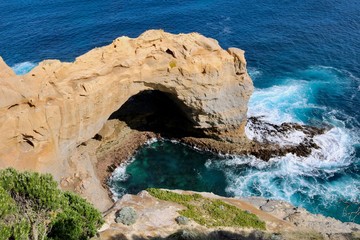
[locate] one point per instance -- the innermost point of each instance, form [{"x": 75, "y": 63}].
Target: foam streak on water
[
  {"x": 23, "y": 68},
  {"x": 119, "y": 175},
  {"x": 327, "y": 180},
  {"x": 287, "y": 44}
]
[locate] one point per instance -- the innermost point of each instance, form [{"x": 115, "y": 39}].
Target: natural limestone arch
[
  {"x": 157, "y": 113},
  {"x": 47, "y": 113}
]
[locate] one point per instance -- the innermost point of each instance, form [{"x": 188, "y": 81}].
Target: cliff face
[{"x": 47, "y": 113}]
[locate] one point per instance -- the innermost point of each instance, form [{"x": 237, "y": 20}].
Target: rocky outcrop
[
  {"x": 5, "y": 71},
  {"x": 157, "y": 220},
  {"x": 55, "y": 118},
  {"x": 301, "y": 218},
  {"x": 47, "y": 113}
]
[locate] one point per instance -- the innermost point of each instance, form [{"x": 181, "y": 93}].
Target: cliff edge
[{"x": 47, "y": 113}]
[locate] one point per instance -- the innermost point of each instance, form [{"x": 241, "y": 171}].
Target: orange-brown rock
[{"x": 47, "y": 113}]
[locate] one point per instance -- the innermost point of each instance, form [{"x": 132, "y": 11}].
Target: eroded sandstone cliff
[{"x": 47, "y": 113}]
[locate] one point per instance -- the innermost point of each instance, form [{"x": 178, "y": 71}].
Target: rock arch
[
  {"x": 157, "y": 112},
  {"x": 47, "y": 113}
]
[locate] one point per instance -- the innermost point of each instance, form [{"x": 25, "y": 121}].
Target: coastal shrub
[
  {"x": 78, "y": 221},
  {"x": 127, "y": 216},
  {"x": 32, "y": 207},
  {"x": 209, "y": 212}
]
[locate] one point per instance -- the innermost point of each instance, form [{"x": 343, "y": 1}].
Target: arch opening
[{"x": 158, "y": 112}]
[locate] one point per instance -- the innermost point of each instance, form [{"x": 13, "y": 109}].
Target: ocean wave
[
  {"x": 325, "y": 180},
  {"x": 23, "y": 68},
  {"x": 254, "y": 72},
  {"x": 151, "y": 141},
  {"x": 222, "y": 27},
  {"x": 119, "y": 175},
  {"x": 305, "y": 182},
  {"x": 278, "y": 104},
  {"x": 344, "y": 72},
  {"x": 302, "y": 97}
]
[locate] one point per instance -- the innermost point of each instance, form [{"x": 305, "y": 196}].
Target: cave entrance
[{"x": 158, "y": 112}]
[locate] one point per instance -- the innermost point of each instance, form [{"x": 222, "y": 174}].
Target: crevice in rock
[
  {"x": 14, "y": 105},
  {"x": 30, "y": 104},
  {"x": 29, "y": 142},
  {"x": 168, "y": 51},
  {"x": 97, "y": 137}
]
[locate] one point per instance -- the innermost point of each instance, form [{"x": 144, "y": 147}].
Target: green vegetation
[
  {"x": 32, "y": 207},
  {"x": 210, "y": 212}
]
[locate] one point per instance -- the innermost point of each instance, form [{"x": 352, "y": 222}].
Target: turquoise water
[
  {"x": 304, "y": 60},
  {"x": 326, "y": 182},
  {"x": 170, "y": 165}
]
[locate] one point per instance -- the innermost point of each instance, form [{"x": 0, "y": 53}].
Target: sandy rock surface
[
  {"x": 157, "y": 220},
  {"x": 47, "y": 113}
]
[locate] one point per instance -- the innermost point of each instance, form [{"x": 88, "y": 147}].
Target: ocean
[{"x": 303, "y": 57}]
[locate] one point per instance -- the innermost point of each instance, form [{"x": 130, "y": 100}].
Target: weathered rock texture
[
  {"x": 47, "y": 113},
  {"x": 157, "y": 220}
]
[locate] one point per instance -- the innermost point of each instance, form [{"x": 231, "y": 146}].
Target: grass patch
[{"x": 209, "y": 212}]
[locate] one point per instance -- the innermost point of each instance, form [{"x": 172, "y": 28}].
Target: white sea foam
[
  {"x": 23, "y": 68},
  {"x": 286, "y": 177},
  {"x": 298, "y": 180},
  {"x": 151, "y": 141},
  {"x": 265, "y": 132},
  {"x": 119, "y": 175},
  {"x": 335, "y": 148},
  {"x": 289, "y": 176},
  {"x": 276, "y": 104},
  {"x": 254, "y": 72}
]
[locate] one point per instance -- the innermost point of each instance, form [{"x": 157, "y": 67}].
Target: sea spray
[
  {"x": 23, "y": 68},
  {"x": 326, "y": 182}
]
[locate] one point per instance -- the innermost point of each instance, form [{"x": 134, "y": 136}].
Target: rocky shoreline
[
  {"x": 271, "y": 141},
  {"x": 156, "y": 219},
  {"x": 116, "y": 143},
  {"x": 78, "y": 121}
]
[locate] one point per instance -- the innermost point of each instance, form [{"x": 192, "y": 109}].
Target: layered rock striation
[{"x": 47, "y": 113}]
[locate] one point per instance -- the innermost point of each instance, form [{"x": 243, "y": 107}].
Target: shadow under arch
[{"x": 158, "y": 112}]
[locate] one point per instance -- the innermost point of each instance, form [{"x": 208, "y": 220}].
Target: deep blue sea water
[{"x": 302, "y": 55}]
